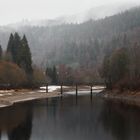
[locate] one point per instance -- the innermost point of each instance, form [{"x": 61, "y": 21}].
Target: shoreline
[
  {"x": 10, "y": 99},
  {"x": 127, "y": 97}
]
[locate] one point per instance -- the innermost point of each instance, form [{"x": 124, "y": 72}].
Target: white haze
[{"x": 12, "y": 11}]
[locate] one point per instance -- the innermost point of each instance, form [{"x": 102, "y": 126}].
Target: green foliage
[
  {"x": 25, "y": 61},
  {"x": 1, "y": 52},
  {"x": 52, "y": 74},
  {"x": 19, "y": 51},
  {"x": 13, "y": 47},
  {"x": 10, "y": 44}
]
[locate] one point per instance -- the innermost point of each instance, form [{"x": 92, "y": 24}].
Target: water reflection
[
  {"x": 23, "y": 130},
  {"x": 16, "y": 122},
  {"x": 122, "y": 121},
  {"x": 86, "y": 119},
  {"x": 65, "y": 118}
]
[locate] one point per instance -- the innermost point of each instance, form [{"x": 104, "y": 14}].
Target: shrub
[{"x": 11, "y": 75}]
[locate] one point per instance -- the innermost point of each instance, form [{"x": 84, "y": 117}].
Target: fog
[{"x": 18, "y": 10}]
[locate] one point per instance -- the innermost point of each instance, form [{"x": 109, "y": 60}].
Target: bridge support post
[
  {"x": 76, "y": 90},
  {"x": 61, "y": 89},
  {"x": 91, "y": 89},
  {"x": 47, "y": 88}
]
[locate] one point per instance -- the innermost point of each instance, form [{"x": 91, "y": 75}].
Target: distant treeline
[{"x": 65, "y": 75}]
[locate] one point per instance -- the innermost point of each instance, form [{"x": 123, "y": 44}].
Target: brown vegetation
[
  {"x": 39, "y": 77},
  {"x": 11, "y": 75},
  {"x": 121, "y": 69}
]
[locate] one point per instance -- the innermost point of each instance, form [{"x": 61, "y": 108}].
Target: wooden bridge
[{"x": 76, "y": 89}]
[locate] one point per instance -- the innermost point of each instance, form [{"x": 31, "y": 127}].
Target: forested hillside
[
  {"x": 44, "y": 40},
  {"x": 81, "y": 46}
]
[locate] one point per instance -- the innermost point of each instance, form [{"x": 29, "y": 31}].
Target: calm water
[{"x": 70, "y": 119}]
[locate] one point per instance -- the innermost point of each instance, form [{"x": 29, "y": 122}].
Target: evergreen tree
[
  {"x": 25, "y": 60},
  {"x": 19, "y": 52},
  {"x": 13, "y": 47},
  {"x": 16, "y": 49},
  {"x": 0, "y": 52},
  {"x": 9, "y": 55},
  {"x": 54, "y": 75},
  {"x": 10, "y": 43}
]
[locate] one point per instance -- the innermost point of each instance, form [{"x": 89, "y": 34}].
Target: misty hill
[
  {"x": 76, "y": 44},
  {"x": 92, "y": 13},
  {"x": 99, "y": 12}
]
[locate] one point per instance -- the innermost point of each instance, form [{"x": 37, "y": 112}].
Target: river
[{"x": 70, "y": 118}]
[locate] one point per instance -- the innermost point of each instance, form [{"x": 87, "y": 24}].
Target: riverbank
[
  {"x": 128, "y": 97},
  {"x": 8, "y": 98}
]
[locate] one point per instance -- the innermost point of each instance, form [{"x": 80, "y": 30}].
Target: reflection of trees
[
  {"x": 23, "y": 130},
  {"x": 121, "y": 120},
  {"x": 17, "y": 121}
]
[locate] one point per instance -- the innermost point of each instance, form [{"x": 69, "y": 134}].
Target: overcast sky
[{"x": 12, "y": 11}]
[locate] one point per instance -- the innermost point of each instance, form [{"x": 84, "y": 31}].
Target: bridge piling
[
  {"x": 91, "y": 90},
  {"x": 46, "y": 88},
  {"x": 61, "y": 89},
  {"x": 76, "y": 90}
]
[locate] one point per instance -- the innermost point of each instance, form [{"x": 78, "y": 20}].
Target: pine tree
[
  {"x": 25, "y": 60},
  {"x": 10, "y": 43},
  {"x": 16, "y": 49},
  {"x": 9, "y": 55},
  {"x": 13, "y": 47},
  {"x": 54, "y": 76},
  {"x": 0, "y": 52},
  {"x": 19, "y": 52}
]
